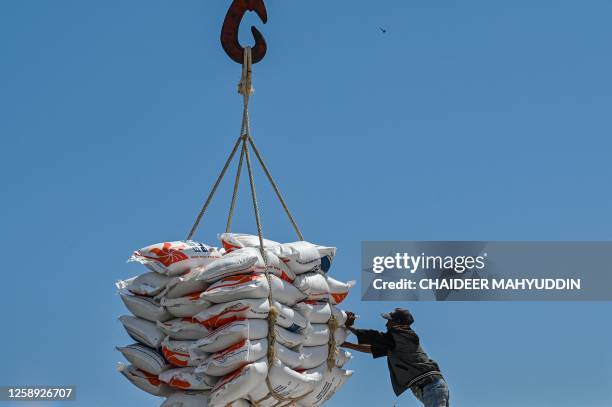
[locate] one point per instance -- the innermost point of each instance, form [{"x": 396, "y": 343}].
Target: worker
[{"x": 409, "y": 366}]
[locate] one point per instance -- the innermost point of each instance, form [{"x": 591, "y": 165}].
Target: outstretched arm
[{"x": 359, "y": 348}]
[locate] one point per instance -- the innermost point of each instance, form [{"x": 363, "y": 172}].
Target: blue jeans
[{"x": 434, "y": 394}]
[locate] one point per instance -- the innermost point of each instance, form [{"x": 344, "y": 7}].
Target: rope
[
  {"x": 275, "y": 187},
  {"x": 332, "y": 347},
  {"x": 228, "y": 226},
  {"x": 214, "y": 189}
]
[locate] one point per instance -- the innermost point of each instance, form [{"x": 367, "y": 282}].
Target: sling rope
[
  {"x": 245, "y": 140},
  {"x": 228, "y": 226},
  {"x": 213, "y": 190}
]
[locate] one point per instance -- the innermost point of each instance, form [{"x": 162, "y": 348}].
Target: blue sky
[{"x": 466, "y": 120}]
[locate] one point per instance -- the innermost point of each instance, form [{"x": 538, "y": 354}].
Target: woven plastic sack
[
  {"x": 180, "y": 353},
  {"x": 145, "y": 308},
  {"x": 147, "y": 284},
  {"x": 338, "y": 290},
  {"x": 175, "y": 258},
  {"x": 232, "y": 333},
  {"x": 226, "y": 361},
  {"x": 237, "y": 287},
  {"x": 187, "y": 399},
  {"x": 313, "y": 356},
  {"x": 290, "y": 319},
  {"x": 245, "y": 261},
  {"x": 238, "y": 330},
  {"x": 290, "y": 383},
  {"x": 251, "y": 286},
  {"x": 145, "y": 381},
  {"x": 303, "y": 257},
  {"x": 313, "y": 285},
  {"x": 184, "y": 329},
  {"x": 339, "y": 314},
  {"x": 184, "y": 285},
  {"x": 316, "y": 312},
  {"x": 343, "y": 357},
  {"x": 186, "y": 378},
  {"x": 238, "y": 384},
  {"x": 234, "y": 241},
  {"x": 325, "y": 390},
  {"x": 142, "y": 331},
  {"x": 318, "y": 335},
  {"x": 144, "y": 358},
  {"x": 221, "y": 314},
  {"x": 187, "y": 306}
]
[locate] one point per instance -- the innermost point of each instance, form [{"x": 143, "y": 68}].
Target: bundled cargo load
[{"x": 236, "y": 326}]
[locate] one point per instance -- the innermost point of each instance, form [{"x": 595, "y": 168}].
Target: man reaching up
[{"x": 409, "y": 366}]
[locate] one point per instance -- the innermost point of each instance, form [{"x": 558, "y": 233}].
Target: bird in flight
[{"x": 383, "y": 30}]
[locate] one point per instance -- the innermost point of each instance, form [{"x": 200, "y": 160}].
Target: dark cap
[{"x": 400, "y": 316}]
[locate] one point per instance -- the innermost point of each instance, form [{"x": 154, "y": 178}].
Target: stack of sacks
[{"x": 201, "y": 320}]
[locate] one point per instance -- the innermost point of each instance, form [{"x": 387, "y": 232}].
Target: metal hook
[{"x": 231, "y": 25}]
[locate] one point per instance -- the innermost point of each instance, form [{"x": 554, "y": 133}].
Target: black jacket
[{"x": 408, "y": 363}]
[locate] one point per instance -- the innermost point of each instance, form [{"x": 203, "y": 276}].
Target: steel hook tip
[{"x": 231, "y": 25}]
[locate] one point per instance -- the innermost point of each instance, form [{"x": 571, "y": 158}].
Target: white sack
[
  {"x": 245, "y": 261},
  {"x": 175, "y": 258},
  {"x": 145, "y": 381},
  {"x": 289, "y": 383},
  {"x": 290, "y": 319},
  {"x": 221, "y": 314},
  {"x": 250, "y": 286},
  {"x": 340, "y": 335},
  {"x": 238, "y": 287},
  {"x": 302, "y": 257},
  {"x": 232, "y": 333},
  {"x": 234, "y": 241},
  {"x": 184, "y": 329},
  {"x": 289, "y": 357},
  {"x": 147, "y": 284},
  {"x": 318, "y": 335},
  {"x": 144, "y": 358},
  {"x": 314, "y": 356},
  {"x": 181, "y": 286},
  {"x": 313, "y": 285},
  {"x": 286, "y": 382},
  {"x": 187, "y": 306},
  {"x": 285, "y": 292},
  {"x": 339, "y": 314},
  {"x": 238, "y": 384},
  {"x": 145, "y": 308},
  {"x": 338, "y": 290},
  {"x": 186, "y": 378},
  {"x": 343, "y": 357},
  {"x": 180, "y": 354},
  {"x": 142, "y": 330},
  {"x": 325, "y": 390},
  {"x": 186, "y": 399},
  {"x": 226, "y": 361},
  {"x": 288, "y": 338},
  {"x": 316, "y": 312}
]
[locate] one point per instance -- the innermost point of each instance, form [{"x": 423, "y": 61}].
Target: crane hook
[{"x": 231, "y": 25}]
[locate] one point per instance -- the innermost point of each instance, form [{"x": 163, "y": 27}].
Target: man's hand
[{"x": 350, "y": 319}]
